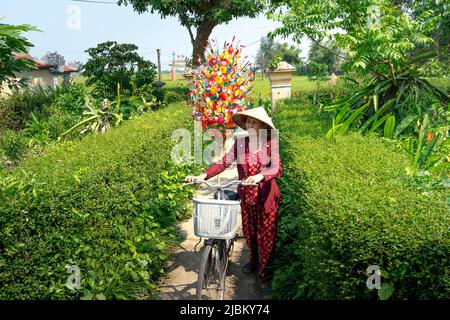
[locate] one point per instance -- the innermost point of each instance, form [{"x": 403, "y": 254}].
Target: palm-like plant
[
  {"x": 37, "y": 128},
  {"x": 393, "y": 105},
  {"x": 403, "y": 106},
  {"x": 431, "y": 148},
  {"x": 99, "y": 119},
  {"x": 102, "y": 119}
]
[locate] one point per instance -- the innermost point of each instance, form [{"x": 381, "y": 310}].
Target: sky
[{"x": 70, "y": 27}]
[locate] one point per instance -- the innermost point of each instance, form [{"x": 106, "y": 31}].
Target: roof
[
  {"x": 39, "y": 64},
  {"x": 43, "y": 65},
  {"x": 69, "y": 69}
]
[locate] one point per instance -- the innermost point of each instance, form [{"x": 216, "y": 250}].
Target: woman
[{"x": 259, "y": 205}]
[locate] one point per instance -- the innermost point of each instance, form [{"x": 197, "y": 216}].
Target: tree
[
  {"x": 269, "y": 49},
  {"x": 439, "y": 31},
  {"x": 378, "y": 40},
  {"x": 265, "y": 54},
  {"x": 318, "y": 55},
  {"x": 374, "y": 38},
  {"x": 54, "y": 58},
  {"x": 290, "y": 54},
  {"x": 12, "y": 43},
  {"x": 75, "y": 64},
  {"x": 202, "y": 16},
  {"x": 112, "y": 63}
]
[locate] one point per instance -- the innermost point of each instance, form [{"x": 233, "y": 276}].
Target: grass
[{"x": 261, "y": 87}]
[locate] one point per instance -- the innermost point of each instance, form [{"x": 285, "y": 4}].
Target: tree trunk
[
  {"x": 437, "y": 45},
  {"x": 201, "y": 40}
]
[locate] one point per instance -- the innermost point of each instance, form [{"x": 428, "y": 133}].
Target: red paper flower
[{"x": 223, "y": 95}]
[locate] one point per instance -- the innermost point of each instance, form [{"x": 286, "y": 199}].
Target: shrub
[
  {"x": 443, "y": 83},
  {"x": 13, "y": 146},
  {"x": 72, "y": 99},
  {"x": 59, "y": 121},
  {"x": 19, "y": 106},
  {"x": 111, "y": 63},
  {"x": 43, "y": 131},
  {"x": 96, "y": 204},
  {"x": 350, "y": 204},
  {"x": 15, "y": 111},
  {"x": 176, "y": 94}
]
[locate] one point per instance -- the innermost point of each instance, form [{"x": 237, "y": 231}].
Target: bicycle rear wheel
[{"x": 211, "y": 276}]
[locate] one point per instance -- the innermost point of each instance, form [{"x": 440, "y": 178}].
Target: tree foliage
[
  {"x": 201, "y": 16},
  {"x": 54, "y": 58},
  {"x": 380, "y": 39},
  {"x": 270, "y": 51},
  {"x": 112, "y": 63},
  {"x": 439, "y": 32},
  {"x": 291, "y": 54},
  {"x": 376, "y": 36},
  {"x": 12, "y": 43},
  {"x": 319, "y": 54},
  {"x": 265, "y": 53}
]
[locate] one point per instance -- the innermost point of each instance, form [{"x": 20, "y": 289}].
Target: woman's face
[{"x": 254, "y": 124}]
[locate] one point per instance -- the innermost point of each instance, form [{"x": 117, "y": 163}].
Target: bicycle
[{"x": 216, "y": 220}]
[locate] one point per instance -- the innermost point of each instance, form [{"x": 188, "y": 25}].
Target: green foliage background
[
  {"x": 349, "y": 204},
  {"x": 107, "y": 204}
]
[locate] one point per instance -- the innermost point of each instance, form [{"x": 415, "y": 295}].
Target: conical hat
[{"x": 259, "y": 113}]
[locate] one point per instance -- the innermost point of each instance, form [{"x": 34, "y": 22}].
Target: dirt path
[{"x": 182, "y": 271}]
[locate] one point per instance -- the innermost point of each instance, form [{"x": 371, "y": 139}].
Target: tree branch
[
  {"x": 391, "y": 68},
  {"x": 326, "y": 48},
  {"x": 353, "y": 13},
  {"x": 392, "y": 72},
  {"x": 184, "y": 18}
]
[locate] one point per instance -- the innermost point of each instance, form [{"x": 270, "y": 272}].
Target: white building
[{"x": 45, "y": 75}]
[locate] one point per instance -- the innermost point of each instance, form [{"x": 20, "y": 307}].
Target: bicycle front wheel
[{"x": 211, "y": 276}]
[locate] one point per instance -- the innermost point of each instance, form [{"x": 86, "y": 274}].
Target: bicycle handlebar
[{"x": 221, "y": 186}]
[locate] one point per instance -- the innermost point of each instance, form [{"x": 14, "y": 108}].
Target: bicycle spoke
[{"x": 213, "y": 272}]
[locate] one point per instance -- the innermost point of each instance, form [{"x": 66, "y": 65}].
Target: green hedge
[
  {"x": 347, "y": 205},
  {"x": 107, "y": 204}
]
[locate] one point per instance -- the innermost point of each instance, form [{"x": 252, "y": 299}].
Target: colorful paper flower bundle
[{"x": 221, "y": 87}]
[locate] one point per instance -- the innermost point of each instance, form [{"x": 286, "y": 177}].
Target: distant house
[
  {"x": 65, "y": 72},
  {"x": 45, "y": 75}
]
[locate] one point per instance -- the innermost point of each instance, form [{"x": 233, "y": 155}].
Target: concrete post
[
  {"x": 173, "y": 74},
  {"x": 158, "y": 51},
  {"x": 280, "y": 82},
  {"x": 333, "y": 79}
]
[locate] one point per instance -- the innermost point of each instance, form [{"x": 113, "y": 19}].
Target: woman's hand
[
  {"x": 192, "y": 178},
  {"x": 254, "y": 179}
]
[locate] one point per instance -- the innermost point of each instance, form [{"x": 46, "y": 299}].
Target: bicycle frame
[{"x": 213, "y": 267}]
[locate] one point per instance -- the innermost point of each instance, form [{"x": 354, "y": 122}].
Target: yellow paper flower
[
  {"x": 223, "y": 69},
  {"x": 213, "y": 89}
]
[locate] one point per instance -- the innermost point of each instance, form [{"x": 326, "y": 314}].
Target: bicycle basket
[{"x": 215, "y": 218}]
